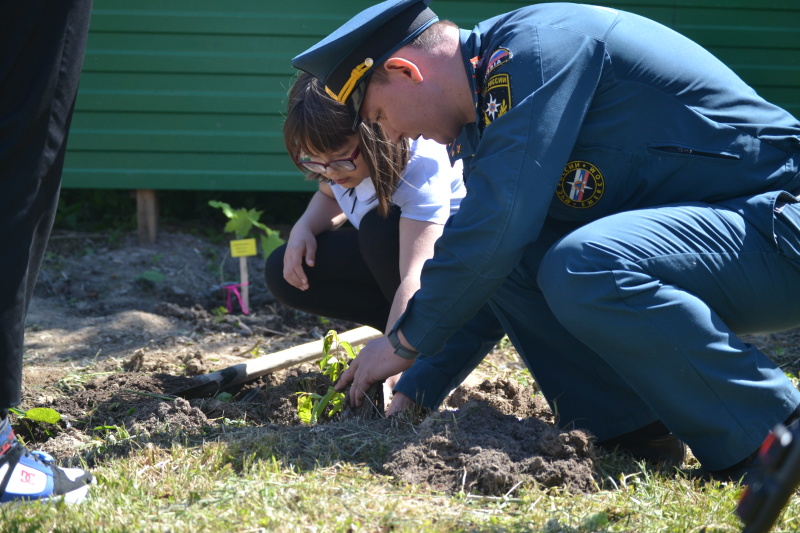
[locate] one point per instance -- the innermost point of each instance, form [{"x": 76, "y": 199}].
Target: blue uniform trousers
[
  {"x": 659, "y": 296},
  {"x": 634, "y": 318}
]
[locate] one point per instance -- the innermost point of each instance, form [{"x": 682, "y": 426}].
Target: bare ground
[{"x": 116, "y": 329}]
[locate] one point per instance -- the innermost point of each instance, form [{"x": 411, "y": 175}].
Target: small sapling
[{"x": 336, "y": 357}]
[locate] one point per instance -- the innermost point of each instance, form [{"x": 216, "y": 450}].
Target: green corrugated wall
[{"x": 189, "y": 94}]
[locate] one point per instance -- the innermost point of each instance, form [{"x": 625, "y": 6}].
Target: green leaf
[
  {"x": 270, "y": 242},
  {"x": 337, "y": 404},
  {"x": 253, "y": 215},
  {"x": 330, "y": 339},
  {"x": 348, "y": 348},
  {"x": 323, "y": 403},
  {"x": 596, "y": 521},
  {"x": 152, "y": 275},
  {"x": 327, "y": 342},
  {"x": 225, "y": 397},
  {"x": 43, "y": 414},
  {"x": 239, "y": 225},
  {"x": 242, "y": 221},
  {"x": 334, "y": 370},
  {"x": 304, "y": 408},
  {"x": 222, "y": 205}
]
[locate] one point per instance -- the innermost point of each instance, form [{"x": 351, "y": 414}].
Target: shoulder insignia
[
  {"x": 496, "y": 97},
  {"x": 498, "y": 57},
  {"x": 581, "y": 186}
]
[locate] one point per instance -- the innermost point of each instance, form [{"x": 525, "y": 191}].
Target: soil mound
[
  {"x": 479, "y": 449},
  {"x": 497, "y": 438}
]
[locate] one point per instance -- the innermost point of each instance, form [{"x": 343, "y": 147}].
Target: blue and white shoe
[{"x": 26, "y": 475}]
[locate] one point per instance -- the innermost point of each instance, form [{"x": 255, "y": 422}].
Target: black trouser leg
[
  {"x": 344, "y": 284},
  {"x": 42, "y": 45},
  {"x": 379, "y": 243}
]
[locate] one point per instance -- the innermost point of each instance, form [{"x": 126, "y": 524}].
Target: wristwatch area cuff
[{"x": 399, "y": 349}]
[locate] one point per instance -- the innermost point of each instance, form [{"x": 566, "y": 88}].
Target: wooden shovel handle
[{"x": 255, "y": 368}]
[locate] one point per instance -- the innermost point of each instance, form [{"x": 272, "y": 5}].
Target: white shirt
[{"x": 430, "y": 189}]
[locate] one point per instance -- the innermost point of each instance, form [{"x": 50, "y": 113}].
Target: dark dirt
[
  {"x": 108, "y": 348},
  {"x": 499, "y": 436},
  {"x": 485, "y": 445}
]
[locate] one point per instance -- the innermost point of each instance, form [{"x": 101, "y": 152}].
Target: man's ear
[{"x": 409, "y": 69}]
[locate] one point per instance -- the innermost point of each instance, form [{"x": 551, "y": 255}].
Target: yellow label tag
[{"x": 243, "y": 248}]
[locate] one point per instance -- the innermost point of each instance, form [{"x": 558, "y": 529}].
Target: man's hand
[
  {"x": 388, "y": 385},
  {"x": 375, "y": 362},
  {"x": 400, "y": 402}
]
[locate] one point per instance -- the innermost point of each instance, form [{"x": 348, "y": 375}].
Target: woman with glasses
[{"x": 396, "y": 198}]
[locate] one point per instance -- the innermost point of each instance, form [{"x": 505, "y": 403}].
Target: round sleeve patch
[{"x": 581, "y": 185}]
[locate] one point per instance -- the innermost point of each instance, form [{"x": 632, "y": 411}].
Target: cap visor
[{"x": 355, "y": 101}]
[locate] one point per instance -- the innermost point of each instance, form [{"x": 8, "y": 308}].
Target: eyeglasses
[{"x": 347, "y": 164}]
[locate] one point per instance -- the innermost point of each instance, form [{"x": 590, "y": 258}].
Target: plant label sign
[{"x": 243, "y": 247}]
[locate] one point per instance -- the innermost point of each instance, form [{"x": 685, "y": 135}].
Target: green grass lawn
[
  {"x": 242, "y": 483},
  {"x": 326, "y": 478}
]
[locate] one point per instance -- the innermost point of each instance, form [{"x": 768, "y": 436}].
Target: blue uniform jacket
[{"x": 582, "y": 112}]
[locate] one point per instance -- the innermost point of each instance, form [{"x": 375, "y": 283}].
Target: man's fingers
[
  {"x": 358, "y": 388},
  {"x": 374, "y": 364},
  {"x": 346, "y": 378},
  {"x": 400, "y": 402},
  {"x": 356, "y": 396}
]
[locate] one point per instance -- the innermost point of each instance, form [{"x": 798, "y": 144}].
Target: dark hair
[{"x": 316, "y": 123}]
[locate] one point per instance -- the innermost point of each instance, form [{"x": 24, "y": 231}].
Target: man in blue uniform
[{"x": 631, "y": 208}]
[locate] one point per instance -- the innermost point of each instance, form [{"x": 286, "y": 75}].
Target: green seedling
[
  {"x": 242, "y": 221},
  {"x": 110, "y": 436},
  {"x": 311, "y": 406},
  {"x": 235, "y": 422},
  {"x": 336, "y": 355}
]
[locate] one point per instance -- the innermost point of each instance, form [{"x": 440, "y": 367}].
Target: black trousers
[
  {"x": 356, "y": 275},
  {"x": 42, "y": 43}
]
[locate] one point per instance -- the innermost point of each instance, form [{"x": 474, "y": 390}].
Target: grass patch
[
  {"x": 322, "y": 479},
  {"x": 327, "y": 478}
]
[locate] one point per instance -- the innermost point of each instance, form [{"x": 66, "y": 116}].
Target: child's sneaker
[{"x": 26, "y": 475}]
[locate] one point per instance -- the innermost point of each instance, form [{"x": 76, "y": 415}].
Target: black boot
[{"x": 653, "y": 443}]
